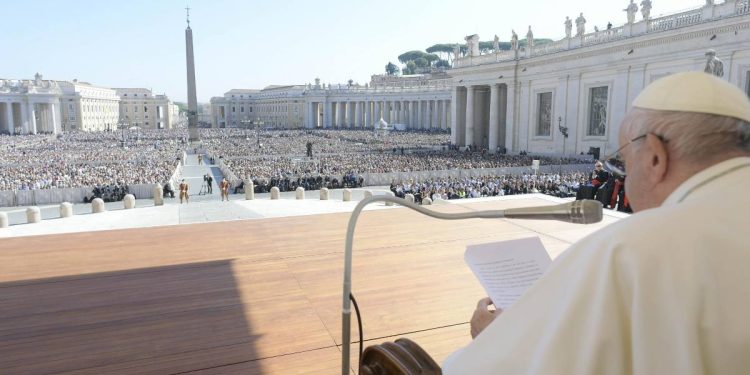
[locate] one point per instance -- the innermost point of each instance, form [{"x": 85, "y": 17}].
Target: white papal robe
[{"x": 666, "y": 291}]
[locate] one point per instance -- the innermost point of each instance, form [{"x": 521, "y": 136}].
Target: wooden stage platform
[{"x": 244, "y": 297}]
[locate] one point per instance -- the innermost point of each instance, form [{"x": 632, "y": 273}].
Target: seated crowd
[
  {"x": 74, "y": 160},
  {"x": 559, "y": 185},
  {"x": 267, "y": 157}
]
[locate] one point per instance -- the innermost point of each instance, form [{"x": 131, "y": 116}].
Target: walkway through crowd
[{"x": 193, "y": 173}]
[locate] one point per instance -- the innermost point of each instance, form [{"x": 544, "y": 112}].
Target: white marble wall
[{"x": 624, "y": 65}]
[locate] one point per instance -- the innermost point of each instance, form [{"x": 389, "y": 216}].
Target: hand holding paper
[{"x": 506, "y": 269}]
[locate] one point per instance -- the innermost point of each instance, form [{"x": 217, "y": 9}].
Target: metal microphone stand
[{"x": 346, "y": 311}]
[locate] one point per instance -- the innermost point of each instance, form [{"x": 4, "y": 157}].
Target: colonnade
[
  {"x": 426, "y": 114},
  {"x": 480, "y": 116},
  {"x": 29, "y": 117}
]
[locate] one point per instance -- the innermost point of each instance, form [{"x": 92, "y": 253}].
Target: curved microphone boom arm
[{"x": 582, "y": 212}]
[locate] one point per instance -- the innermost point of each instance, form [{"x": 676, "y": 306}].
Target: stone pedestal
[
  {"x": 158, "y": 195},
  {"x": 324, "y": 194},
  {"x": 33, "y": 215},
  {"x": 627, "y": 30},
  {"x": 299, "y": 193},
  {"x": 409, "y": 198},
  {"x": 128, "y": 201},
  {"x": 426, "y": 202},
  {"x": 347, "y": 195},
  {"x": 390, "y": 194},
  {"x": 639, "y": 28},
  {"x": 66, "y": 209},
  {"x": 274, "y": 193},
  {"x": 249, "y": 191},
  {"x": 97, "y": 206},
  {"x": 368, "y": 194},
  {"x": 4, "y": 220}
]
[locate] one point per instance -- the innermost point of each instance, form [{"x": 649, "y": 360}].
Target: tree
[
  {"x": 411, "y": 68},
  {"x": 410, "y": 56},
  {"x": 443, "y": 64},
  {"x": 392, "y": 69},
  {"x": 444, "y": 51},
  {"x": 421, "y": 62},
  {"x": 485, "y": 47},
  {"x": 431, "y": 57}
]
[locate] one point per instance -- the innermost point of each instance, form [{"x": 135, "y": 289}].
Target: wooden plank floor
[{"x": 244, "y": 297}]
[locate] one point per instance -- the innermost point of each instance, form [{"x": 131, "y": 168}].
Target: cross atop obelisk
[{"x": 192, "y": 98}]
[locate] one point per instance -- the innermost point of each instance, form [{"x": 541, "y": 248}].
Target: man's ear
[{"x": 659, "y": 158}]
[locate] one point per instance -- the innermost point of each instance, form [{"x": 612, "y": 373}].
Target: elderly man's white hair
[{"x": 701, "y": 116}]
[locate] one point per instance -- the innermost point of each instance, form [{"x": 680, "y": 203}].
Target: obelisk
[{"x": 192, "y": 99}]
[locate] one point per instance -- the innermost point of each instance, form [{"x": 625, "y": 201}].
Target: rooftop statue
[
  {"x": 646, "y": 9},
  {"x": 530, "y": 38},
  {"x": 632, "y": 9},
  {"x": 514, "y": 40},
  {"x": 580, "y": 25}
]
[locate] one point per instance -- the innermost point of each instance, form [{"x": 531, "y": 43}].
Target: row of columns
[
  {"x": 415, "y": 114},
  {"x": 480, "y": 116},
  {"x": 21, "y": 118}
]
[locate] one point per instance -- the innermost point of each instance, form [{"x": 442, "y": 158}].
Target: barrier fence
[
  {"x": 380, "y": 179},
  {"x": 13, "y": 198}
]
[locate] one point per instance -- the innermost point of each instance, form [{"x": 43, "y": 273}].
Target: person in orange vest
[
  {"x": 184, "y": 191},
  {"x": 224, "y": 186}
]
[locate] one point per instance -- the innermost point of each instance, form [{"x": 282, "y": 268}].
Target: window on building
[
  {"x": 598, "y": 111},
  {"x": 135, "y": 109},
  {"x": 145, "y": 109},
  {"x": 233, "y": 109},
  {"x": 544, "y": 114},
  {"x": 242, "y": 109}
]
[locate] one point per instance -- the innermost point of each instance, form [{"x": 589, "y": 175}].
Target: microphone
[{"x": 578, "y": 212}]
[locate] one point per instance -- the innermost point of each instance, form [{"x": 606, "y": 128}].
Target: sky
[{"x": 251, "y": 44}]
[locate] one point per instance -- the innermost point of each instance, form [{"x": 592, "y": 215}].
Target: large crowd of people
[
  {"x": 283, "y": 158},
  {"x": 560, "y": 185},
  {"x": 75, "y": 160}
]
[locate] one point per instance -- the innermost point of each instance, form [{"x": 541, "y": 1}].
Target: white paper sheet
[{"x": 506, "y": 269}]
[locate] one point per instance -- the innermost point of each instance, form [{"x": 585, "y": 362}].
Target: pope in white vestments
[{"x": 665, "y": 291}]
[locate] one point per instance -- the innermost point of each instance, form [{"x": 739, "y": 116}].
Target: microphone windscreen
[{"x": 591, "y": 211}]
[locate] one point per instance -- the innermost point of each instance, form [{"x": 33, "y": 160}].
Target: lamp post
[
  {"x": 246, "y": 123},
  {"x": 563, "y": 131},
  {"x": 258, "y": 123},
  {"x": 122, "y": 124}
]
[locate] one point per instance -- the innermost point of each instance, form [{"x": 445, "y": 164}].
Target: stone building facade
[
  {"x": 525, "y": 99},
  {"x": 274, "y": 106},
  {"x": 46, "y": 106},
  {"x": 140, "y": 107},
  {"x": 411, "y": 102},
  {"x": 30, "y": 106},
  {"x": 407, "y": 104}
]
